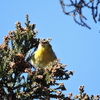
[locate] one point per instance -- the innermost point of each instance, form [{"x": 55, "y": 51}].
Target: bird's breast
[{"x": 43, "y": 56}]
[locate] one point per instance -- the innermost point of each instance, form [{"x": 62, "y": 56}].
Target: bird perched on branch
[{"x": 43, "y": 55}]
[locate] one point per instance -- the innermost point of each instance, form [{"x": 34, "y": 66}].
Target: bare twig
[{"x": 77, "y": 10}]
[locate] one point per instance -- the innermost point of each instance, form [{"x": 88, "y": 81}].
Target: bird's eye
[{"x": 44, "y": 42}]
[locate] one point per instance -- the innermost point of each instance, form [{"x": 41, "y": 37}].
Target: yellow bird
[{"x": 43, "y": 55}]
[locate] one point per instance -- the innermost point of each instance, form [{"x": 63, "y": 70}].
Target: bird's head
[{"x": 44, "y": 44}]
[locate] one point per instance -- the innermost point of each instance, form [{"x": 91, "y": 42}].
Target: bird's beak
[{"x": 41, "y": 43}]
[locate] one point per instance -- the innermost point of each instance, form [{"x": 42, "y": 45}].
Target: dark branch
[{"x": 78, "y": 5}]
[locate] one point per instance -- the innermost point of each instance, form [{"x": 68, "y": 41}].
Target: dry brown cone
[{"x": 20, "y": 62}]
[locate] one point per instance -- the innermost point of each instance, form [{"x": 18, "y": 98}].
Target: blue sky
[{"x": 76, "y": 46}]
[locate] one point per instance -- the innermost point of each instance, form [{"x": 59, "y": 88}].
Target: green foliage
[{"x": 19, "y": 80}]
